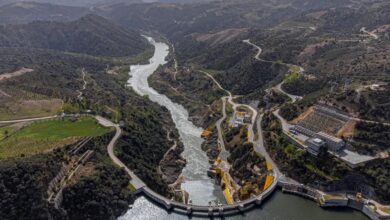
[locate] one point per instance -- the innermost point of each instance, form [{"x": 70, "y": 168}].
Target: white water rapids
[{"x": 200, "y": 187}]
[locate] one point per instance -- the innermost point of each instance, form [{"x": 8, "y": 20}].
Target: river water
[{"x": 200, "y": 187}]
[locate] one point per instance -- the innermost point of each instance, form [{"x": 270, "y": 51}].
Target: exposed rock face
[{"x": 172, "y": 164}]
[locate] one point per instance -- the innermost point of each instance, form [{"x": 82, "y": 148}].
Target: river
[{"x": 200, "y": 187}]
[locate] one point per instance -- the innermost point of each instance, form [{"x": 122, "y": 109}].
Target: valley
[{"x": 194, "y": 109}]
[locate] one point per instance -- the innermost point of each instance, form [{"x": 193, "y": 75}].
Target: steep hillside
[
  {"x": 72, "y": 2},
  {"x": 59, "y": 75},
  {"x": 25, "y": 12},
  {"x": 91, "y": 35},
  {"x": 177, "y": 20}
]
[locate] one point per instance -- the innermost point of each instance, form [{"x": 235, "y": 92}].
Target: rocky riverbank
[
  {"x": 192, "y": 90},
  {"x": 172, "y": 163}
]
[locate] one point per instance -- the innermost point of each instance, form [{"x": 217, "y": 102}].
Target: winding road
[
  {"x": 259, "y": 51},
  {"x": 135, "y": 181},
  {"x": 372, "y": 34},
  {"x": 84, "y": 85},
  {"x": 28, "y": 119},
  {"x": 224, "y": 154},
  {"x": 259, "y": 144},
  {"x": 293, "y": 98},
  {"x": 278, "y": 87}
]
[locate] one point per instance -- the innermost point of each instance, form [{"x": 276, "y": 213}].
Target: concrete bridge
[{"x": 199, "y": 210}]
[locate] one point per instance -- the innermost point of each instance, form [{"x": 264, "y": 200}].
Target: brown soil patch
[
  {"x": 348, "y": 129},
  {"x": 87, "y": 170},
  {"x": 29, "y": 108},
  {"x": 317, "y": 14},
  {"x": 224, "y": 36},
  {"x": 113, "y": 71},
  {"x": 382, "y": 28},
  {"x": 20, "y": 72},
  {"x": 311, "y": 49},
  {"x": 4, "y": 94},
  {"x": 302, "y": 116}
]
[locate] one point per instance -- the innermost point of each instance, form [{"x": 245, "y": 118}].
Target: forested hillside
[
  {"x": 26, "y": 12},
  {"x": 62, "y": 57},
  {"x": 91, "y": 35}
]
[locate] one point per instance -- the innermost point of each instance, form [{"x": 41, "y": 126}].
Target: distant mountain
[
  {"x": 178, "y": 20},
  {"x": 90, "y": 34},
  {"x": 25, "y": 12},
  {"x": 80, "y": 3}
]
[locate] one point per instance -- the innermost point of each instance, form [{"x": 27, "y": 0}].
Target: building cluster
[
  {"x": 323, "y": 119},
  {"x": 240, "y": 118}
]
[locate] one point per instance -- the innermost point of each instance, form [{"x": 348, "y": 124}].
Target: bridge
[
  {"x": 169, "y": 204},
  {"x": 199, "y": 210}
]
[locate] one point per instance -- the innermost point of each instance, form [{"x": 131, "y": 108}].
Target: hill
[
  {"x": 78, "y": 3},
  {"x": 90, "y": 34},
  {"x": 25, "y": 12}
]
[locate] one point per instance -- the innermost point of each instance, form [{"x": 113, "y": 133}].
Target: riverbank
[
  {"x": 200, "y": 187},
  {"x": 172, "y": 110}
]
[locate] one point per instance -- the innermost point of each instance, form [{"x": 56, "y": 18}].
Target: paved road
[
  {"x": 278, "y": 87},
  {"x": 259, "y": 50},
  {"x": 135, "y": 181},
  {"x": 224, "y": 154},
  {"x": 28, "y": 119},
  {"x": 260, "y": 148},
  {"x": 375, "y": 36},
  {"x": 369, "y": 121},
  {"x": 294, "y": 98},
  {"x": 84, "y": 85},
  {"x": 259, "y": 144}
]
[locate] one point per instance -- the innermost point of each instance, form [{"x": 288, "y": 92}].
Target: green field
[
  {"x": 5, "y": 131},
  {"x": 46, "y": 135}
]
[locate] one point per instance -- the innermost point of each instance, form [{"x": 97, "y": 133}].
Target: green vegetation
[
  {"x": 6, "y": 131},
  {"x": 371, "y": 138},
  {"x": 46, "y": 135},
  {"x": 332, "y": 54},
  {"x": 24, "y": 182},
  {"x": 290, "y": 111},
  {"x": 59, "y": 129},
  {"x": 329, "y": 173},
  {"x": 241, "y": 157},
  {"x": 87, "y": 35},
  {"x": 89, "y": 199},
  {"x": 291, "y": 77},
  {"x": 299, "y": 165},
  {"x": 57, "y": 74},
  {"x": 378, "y": 175},
  {"x": 131, "y": 187}
]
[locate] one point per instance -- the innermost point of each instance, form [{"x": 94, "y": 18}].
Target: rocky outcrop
[{"x": 172, "y": 164}]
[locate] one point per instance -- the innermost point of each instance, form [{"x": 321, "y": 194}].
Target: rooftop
[
  {"x": 317, "y": 140},
  {"x": 329, "y": 137}
]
